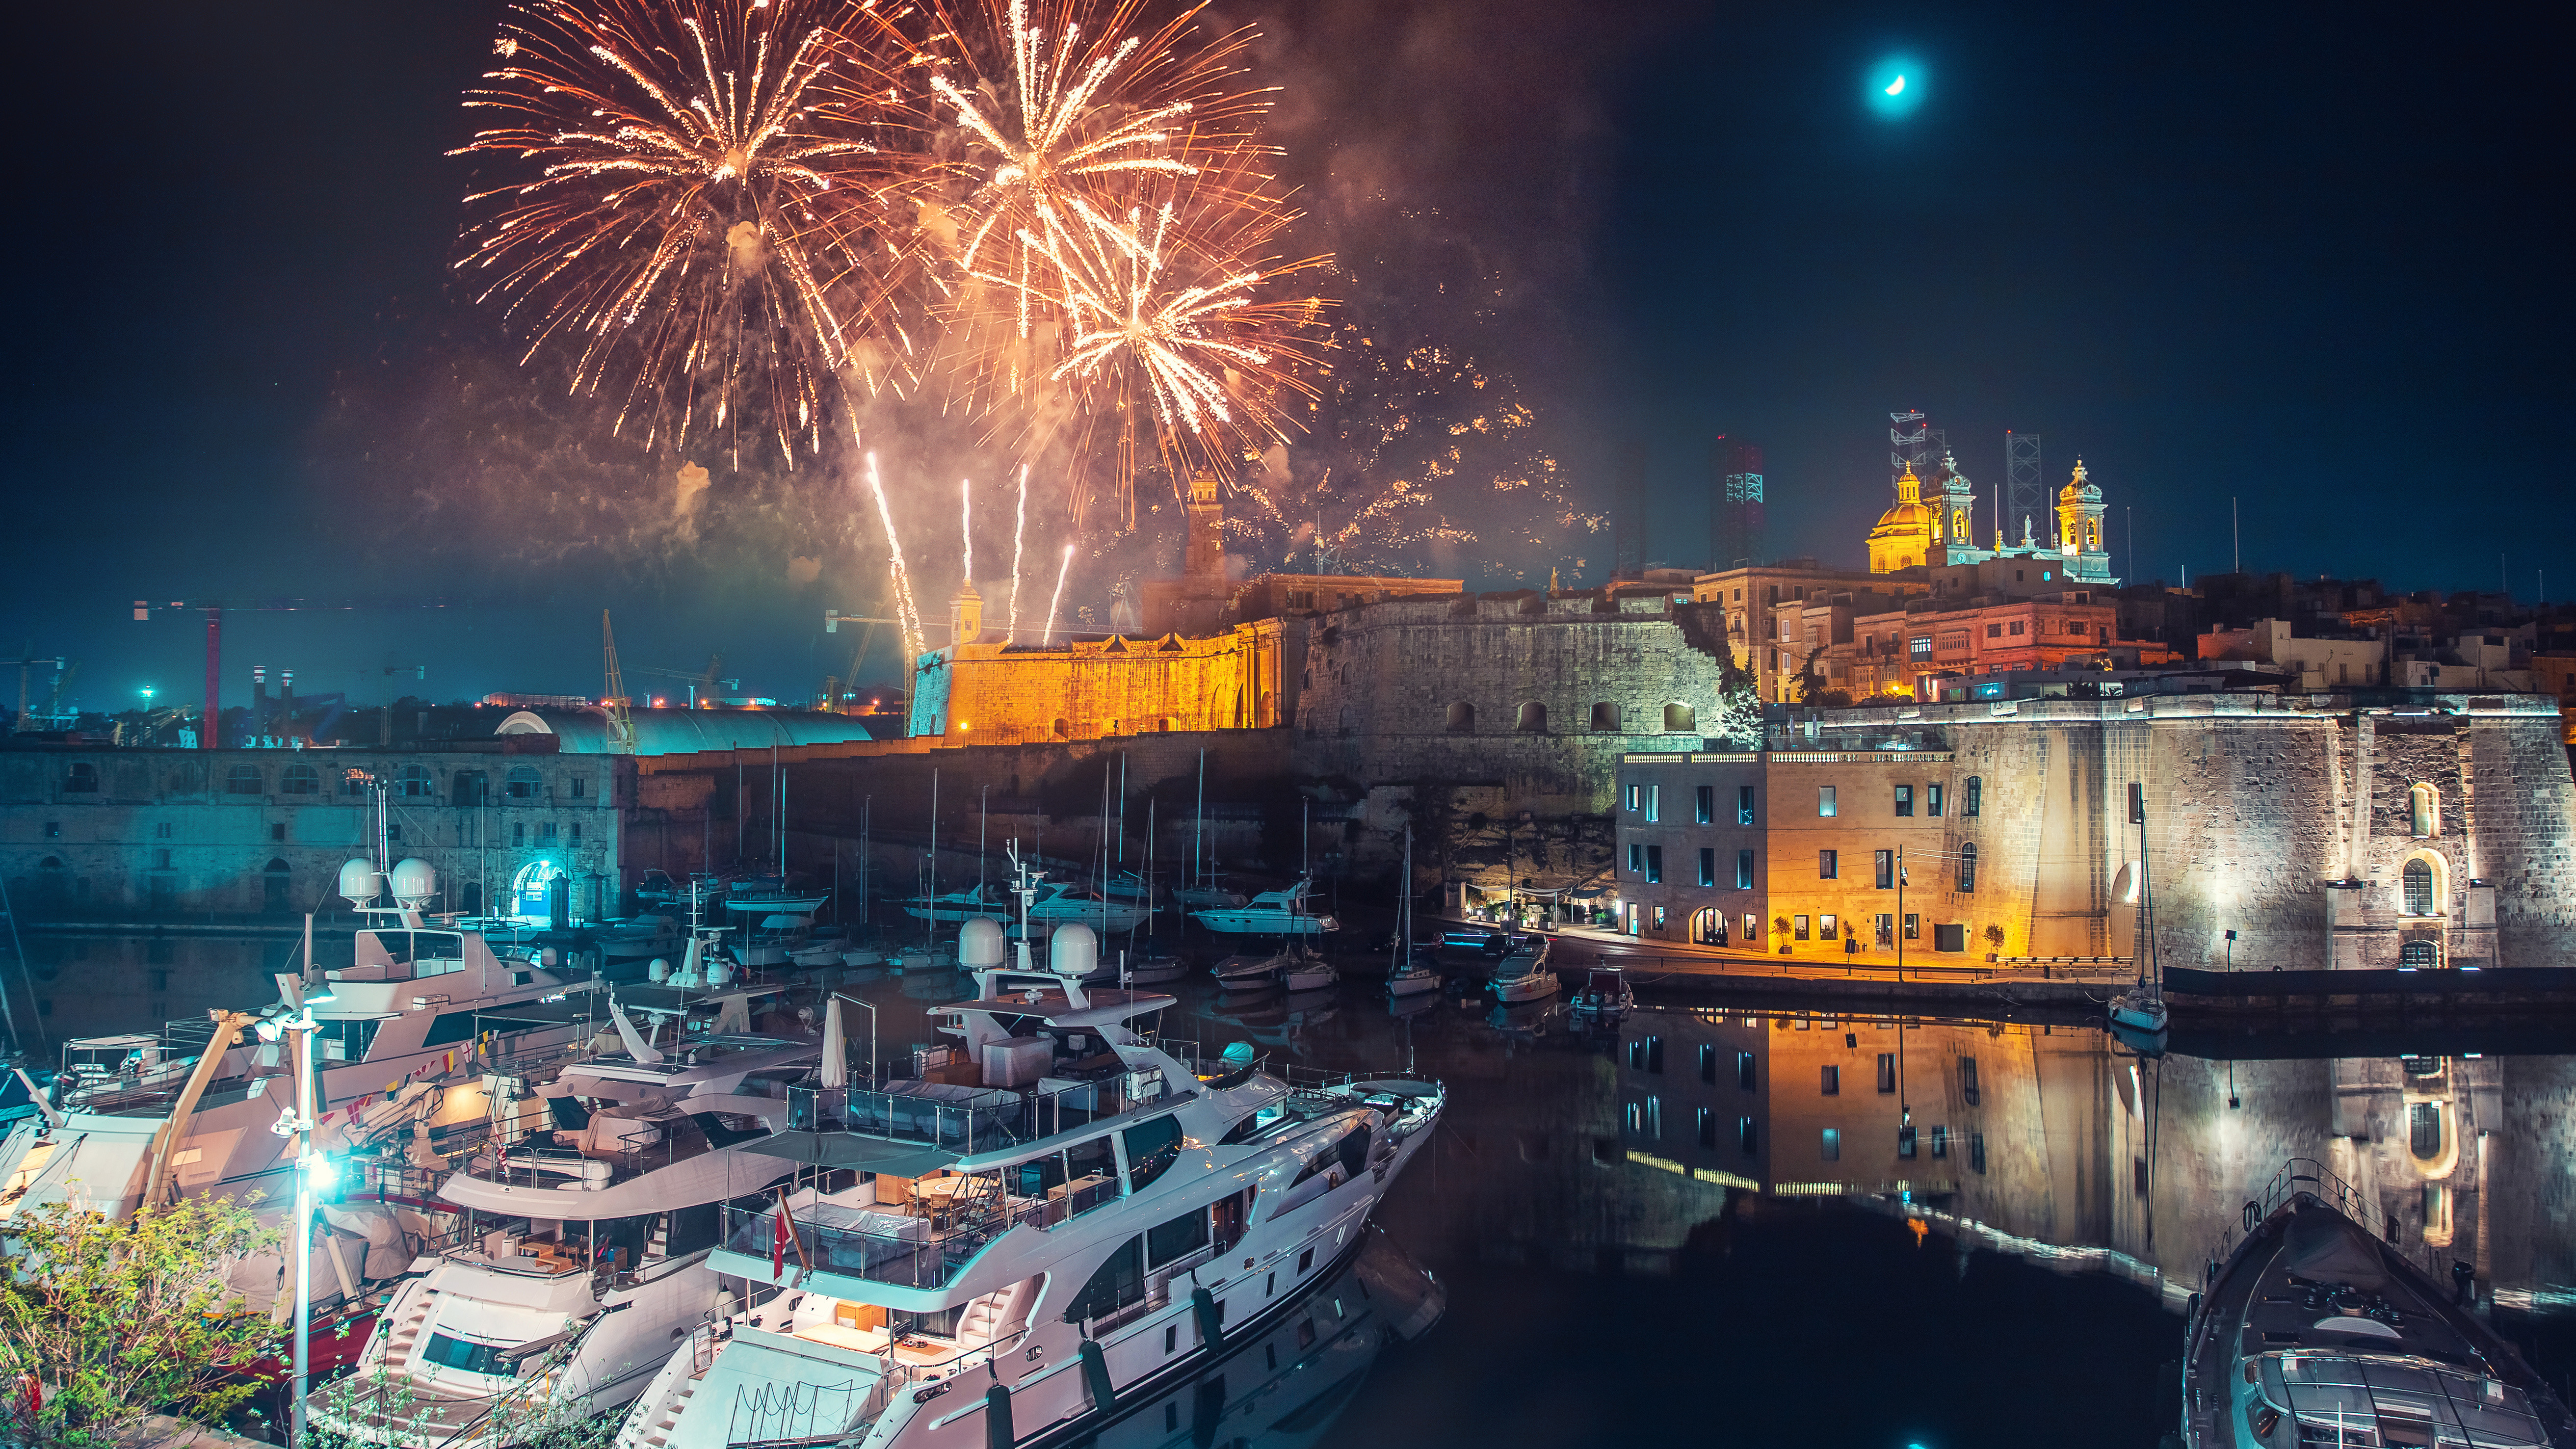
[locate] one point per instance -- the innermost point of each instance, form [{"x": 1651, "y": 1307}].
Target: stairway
[
  {"x": 659, "y": 1433},
  {"x": 403, "y": 1336}
]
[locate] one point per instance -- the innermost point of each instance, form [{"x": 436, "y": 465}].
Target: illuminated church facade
[{"x": 1933, "y": 523}]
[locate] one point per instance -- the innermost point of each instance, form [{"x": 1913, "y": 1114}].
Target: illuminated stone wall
[
  {"x": 1087, "y": 689},
  {"x": 2294, "y": 827}
]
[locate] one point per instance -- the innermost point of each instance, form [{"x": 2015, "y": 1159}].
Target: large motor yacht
[
  {"x": 2318, "y": 1331},
  {"x": 588, "y": 1221},
  {"x": 190, "y": 1110},
  {"x": 1080, "y": 1218}
]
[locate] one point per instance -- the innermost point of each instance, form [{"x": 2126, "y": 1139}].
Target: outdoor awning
[{"x": 849, "y": 1149}]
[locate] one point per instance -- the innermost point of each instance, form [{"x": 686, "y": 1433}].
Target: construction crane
[
  {"x": 621, "y": 725},
  {"x": 700, "y": 680},
  {"x": 833, "y": 619},
  {"x": 25, "y": 663},
  {"x": 214, "y": 610}
]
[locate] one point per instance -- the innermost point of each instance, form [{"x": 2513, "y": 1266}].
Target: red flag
[{"x": 778, "y": 1246}]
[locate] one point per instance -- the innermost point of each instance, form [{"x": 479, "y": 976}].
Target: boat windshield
[{"x": 2438, "y": 1403}]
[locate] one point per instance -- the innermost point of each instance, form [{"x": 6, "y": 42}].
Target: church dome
[{"x": 1909, "y": 513}]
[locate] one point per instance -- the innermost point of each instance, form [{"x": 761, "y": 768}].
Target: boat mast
[
  {"x": 1403, "y": 908},
  {"x": 983, "y": 827},
  {"x": 1149, "y": 873},
  {"x": 930, "y": 892},
  {"x": 1198, "y": 830}
]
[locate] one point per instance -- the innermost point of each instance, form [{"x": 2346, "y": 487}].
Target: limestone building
[
  {"x": 99, "y": 834},
  {"x": 1931, "y": 530},
  {"x": 2325, "y": 830}
]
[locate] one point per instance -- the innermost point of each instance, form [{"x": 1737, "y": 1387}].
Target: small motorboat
[
  {"x": 1523, "y": 974},
  {"x": 1604, "y": 995},
  {"x": 2319, "y": 1331}
]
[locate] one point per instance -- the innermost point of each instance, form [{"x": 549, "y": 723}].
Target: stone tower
[
  {"x": 1205, "y": 555},
  {"x": 966, "y": 615},
  {"x": 1958, "y": 505},
  {"x": 2079, "y": 529}
]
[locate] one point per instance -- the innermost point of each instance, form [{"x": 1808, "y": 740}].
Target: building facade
[
  {"x": 118, "y": 834},
  {"x": 2321, "y": 830}
]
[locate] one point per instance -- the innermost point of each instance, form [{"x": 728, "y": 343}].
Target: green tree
[{"x": 104, "y": 1321}]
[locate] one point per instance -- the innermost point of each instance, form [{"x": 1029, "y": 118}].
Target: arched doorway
[{"x": 276, "y": 883}]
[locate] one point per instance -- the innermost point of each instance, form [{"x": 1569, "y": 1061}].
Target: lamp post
[{"x": 312, "y": 1170}]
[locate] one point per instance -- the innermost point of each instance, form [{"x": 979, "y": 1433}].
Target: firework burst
[{"x": 693, "y": 203}]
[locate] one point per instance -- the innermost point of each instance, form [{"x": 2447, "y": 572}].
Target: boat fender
[
  {"x": 2253, "y": 1214},
  {"x": 1211, "y": 1326},
  {"x": 997, "y": 1417},
  {"x": 1095, "y": 1376}
]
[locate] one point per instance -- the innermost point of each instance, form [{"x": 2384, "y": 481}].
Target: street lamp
[{"x": 312, "y": 1169}]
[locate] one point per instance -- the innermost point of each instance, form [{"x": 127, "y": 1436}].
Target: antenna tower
[
  {"x": 1912, "y": 443},
  {"x": 2025, "y": 490},
  {"x": 1735, "y": 506}
]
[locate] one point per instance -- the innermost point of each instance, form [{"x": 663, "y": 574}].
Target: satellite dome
[
  {"x": 1074, "y": 951},
  {"x": 414, "y": 882},
  {"x": 359, "y": 881},
  {"x": 979, "y": 944}
]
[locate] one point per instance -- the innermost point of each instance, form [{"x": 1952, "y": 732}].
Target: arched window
[
  {"x": 415, "y": 783},
  {"x": 242, "y": 780},
  {"x": 1605, "y": 718},
  {"x": 82, "y": 779},
  {"x": 2417, "y": 884},
  {"x": 524, "y": 782},
  {"x": 1967, "y": 869},
  {"x": 1680, "y": 719},
  {"x": 1533, "y": 718},
  {"x": 2424, "y": 810},
  {"x": 1707, "y": 927},
  {"x": 1462, "y": 718},
  {"x": 299, "y": 780},
  {"x": 1976, "y": 795},
  {"x": 2418, "y": 955}
]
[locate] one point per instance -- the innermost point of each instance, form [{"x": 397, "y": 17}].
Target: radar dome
[
  {"x": 1074, "y": 951},
  {"x": 979, "y": 944},
  {"x": 414, "y": 882},
  {"x": 359, "y": 881}
]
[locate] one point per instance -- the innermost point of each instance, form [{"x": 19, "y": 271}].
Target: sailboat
[
  {"x": 1404, "y": 976},
  {"x": 2138, "y": 1015},
  {"x": 1203, "y": 893}
]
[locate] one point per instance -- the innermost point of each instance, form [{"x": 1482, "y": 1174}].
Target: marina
[{"x": 1654, "y": 1147}]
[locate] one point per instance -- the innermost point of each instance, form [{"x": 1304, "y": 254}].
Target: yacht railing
[
  {"x": 2308, "y": 1175},
  {"x": 977, "y": 1119},
  {"x": 947, "y": 1239}
]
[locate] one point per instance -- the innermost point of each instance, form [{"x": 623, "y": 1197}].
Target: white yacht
[
  {"x": 418, "y": 1003},
  {"x": 1091, "y": 1220},
  {"x": 957, "y": 907},
  {"x": 1058, "y": 904},
  {"x": 1524, "y": 975},
  {"x": 585, "y": 1244},
  {"x": 1271, "y": 913}
]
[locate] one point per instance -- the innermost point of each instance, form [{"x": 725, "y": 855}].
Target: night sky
[{"x": 2309, "y": 259}]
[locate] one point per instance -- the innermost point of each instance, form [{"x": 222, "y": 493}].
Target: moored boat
[{"x": 2317, "y": 1331}]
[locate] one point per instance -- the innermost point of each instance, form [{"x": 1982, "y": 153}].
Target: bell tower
[
  {"x": 2081, "y": 544},
  {"x": 1958, "y": 510},
  {"x": 1204, "y": 557},
  {"x": 966, "y": 615}
]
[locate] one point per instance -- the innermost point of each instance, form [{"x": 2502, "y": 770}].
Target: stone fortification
[
  {"x": 2324, "y": 830},
  {"x": 1536, "y": 694}
]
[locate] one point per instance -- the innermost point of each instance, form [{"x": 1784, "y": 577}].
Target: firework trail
[
  {"x": 1163, "y": 317},
  {"x": 692, "y": 198},
  {"x": 1070, "y": 104},
  {"x": 966, "y": 524},
  {"x": 1057, "y": 602},
  {"x": 904, "y": 607},
  {"x": 1019, "y": 546}
]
